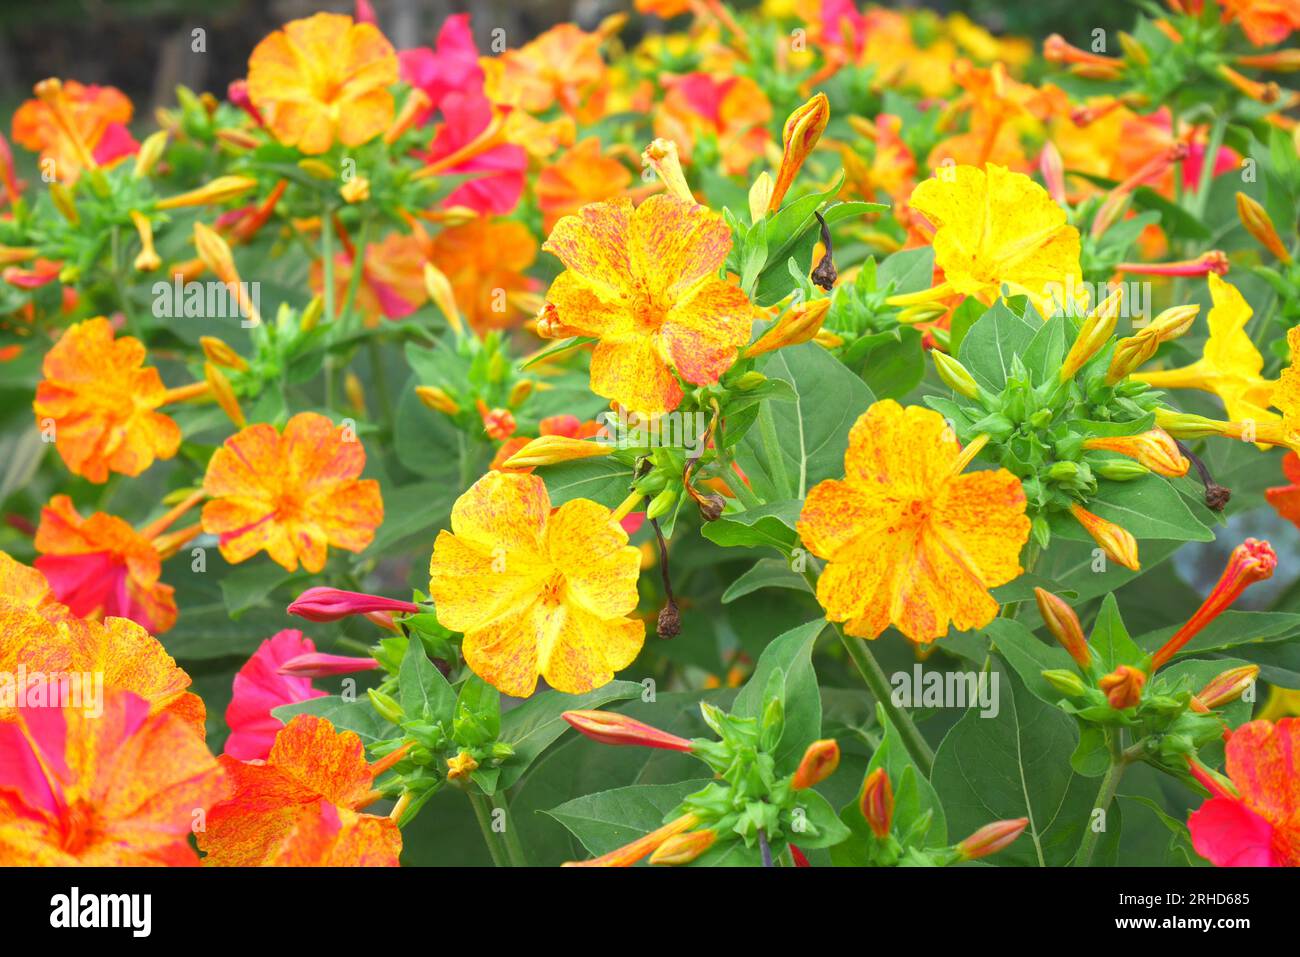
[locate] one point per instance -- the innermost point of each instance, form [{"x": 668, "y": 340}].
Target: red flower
[
  {"x": 450, "y": 68},
  {"x": 259, "y": 687}
]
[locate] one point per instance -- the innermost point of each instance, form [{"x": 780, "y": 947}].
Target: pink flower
[
  {"x": 259, "y": 687},
  {"x": 452, "y": 68},
  {"x": 465, "y": 132}
]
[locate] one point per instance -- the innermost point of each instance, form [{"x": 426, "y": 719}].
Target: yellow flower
[
  {"x": 322, "y": 78},
  {"x": 909, "y": 540},
  {"x": 644, "y": 282},
  {"x": 996, "y": 228},
  {"x": 536, "y": 592},
  {"x": 1230, "y": 364}
]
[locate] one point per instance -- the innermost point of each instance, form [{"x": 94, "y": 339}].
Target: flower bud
[
  {"x": 955, "y": 375},
  {"x": 224, "y": 394},
  {"x": 1120, "y": 470},
  {"x": 991, "y": 838},
  {"x": 1064, "y": 625},
  {"x": 443, "y": 296},
  {"x": 322, "y": 604},
  {"x": 1095, "y": 332},
  {"x": 553, "y": 449},
  {"x": 1066, "y": 682},
  {"x": 148, "y": 260},
  {"x": 1155, "y": 449},
  {"x": 760, "y": 195},
  {"x": 796, "y": 325},
  {"x": 437, "y": 399},
  {"x": 1123, "y": 687},
  {"x": 877, "y": 802},
  {"x": 386, "y": 706},
  {"x": 803, "y": 128},
  {"x": 611, "y": 727},
  {"x": 629, "y": 854},
  {"x": 461, "y": 766},
  {"x": 217, "y": 191},
  {"x": 819, "y": 762},
  {"x": 151, "y": 150},
  {"x": 1117, "y": 542},
  {"x": 1257, "y": 222},
  {"x": 355, "y": 190},
  {"x": 317, "y": 664},
  {"x": 1225, "y": 687},
  {"x": 661, "y": 504},
  {"x": 683, "y": 848},
  {"x": 1130, "y": 352},
  {"x": 1173, "y": 322},
  {"x": 219, "y": 353}
]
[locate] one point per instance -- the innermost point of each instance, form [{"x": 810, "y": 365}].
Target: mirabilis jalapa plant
[{"x": 688, "y": 475}]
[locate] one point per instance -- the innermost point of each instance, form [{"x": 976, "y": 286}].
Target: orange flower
[
  {"x": 43, "y": 638},
  {"x": 734, "y": 110},
  {"x": 100, "y": 399},
  {"x": 909, "y": 540},
  {"x": 536, "y": 592},
  {"x": 1286, "y": 498},
  {"x": 560, "y": 66},
  {"x": 582, "y": 175},
  {"x": 485, "y": 261},
  {"x": 644, "y": 281},
  {"x": 291, "y": 494},
  {"x": 74, "y": 123},
  {"x": 119, "y": 789},
  {"x": 27, "y": 588},
  {"x": 321, "y": 79},
  {"x": 299, "y": 808},
  {"x": 1123, "y": 686},
  {"x": 1265, "y": 22},
  {"x": 392, "y": 277}
]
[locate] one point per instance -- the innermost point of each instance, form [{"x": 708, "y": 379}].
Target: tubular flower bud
[
  {"x": 1257, "y": 222},
  {"x": 386, "y": 706},
  {"x": 1081, "y": 62},
  {"x": 954, "y": 374},
  {"x": 803, "y": 128},
  {"x": 1251, "y": 561},
  {"x": 1268, "y": 93},
  {"x": 317, "y": 169},
  {"x": 311, "y": 314},
  {"x": 1052, "y": 168},
  {"x": 323, "y": 604},
  {"x": 148, "y": 260},
  {"x": 355, "y": 392},
  {"x": 219, "y": 353},
  {"x": 760, "y": 195},
  {"x": 437, "y": 399},
  {"x": 215, "y": 253},
  {"x": 1064, "y": 625},
  {"x": 1066, "y": 682},
  {"x": 499, "y": 424},
  {"x": 1173, "y": 322},
  {"x": 797, "y": 325},
  {"x": 610, "y": 727},
  {"x": 1225, "y": 688},
  {"x": 629, "y": 854},
  {"x": 520, "y": 391},
  {"x": 1280, "y": 61},
  {"x": 415, "y": 106},
  {"x": 151, "y": 150},
  {"x": 877, "y": 803},
  {"x": 661, "y": 156},
  {"x": 218, "y": 191},
  {"x": 683, "y": 848},
  {"x": 1156, "y": 449},
  {"x": 991, "y": 838},
  {"x": 1123, "y": 687},
  {"x": 552, "y": 449},
  {"x": 317, "y": 664},
  {"x": 1214, "y": 261},
  {"x": 1131, "y": 352},
  {"x": 1116, "y": 541},
  {"x": 819, "y": 762},
  {"x": 1093, "y": 334},
  {"x": 223, "y": 394},
  {"x": 440, "y": 292}
]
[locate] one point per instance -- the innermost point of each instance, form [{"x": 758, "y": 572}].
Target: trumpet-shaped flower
[
  {"x": 100, "y": 566},
  {"x": 259, "y": 686},
  {"x": 291, "y": 494},
  {"x": 99, "y": 399},
  {"x": 995, "y": 228},
  {"x": 300, "y": 806},
  {"x": 644, "y": 281},
  {"x": 117, "y": 789},
  {"x": 481, "y": 257},
  {"x": 1230, "y": 364},
  {"x": 908, "y": 539},
  {"x": 75, "y": 116},
  {"x": 1259, "y": 825},
  {"x": 537, "y": 592},
  {"x": 321, "y": 79}
]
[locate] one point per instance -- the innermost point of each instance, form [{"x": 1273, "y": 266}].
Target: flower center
[{"x": 81, "y": 827}]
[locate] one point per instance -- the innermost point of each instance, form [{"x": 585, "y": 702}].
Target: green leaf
[
  {"x": 356, "y": 716},
  {"x": 1110, "y": 640},
  {"x": 249, "y": 586},
  {"x": 1232, "y": 629},
  {"x": 765, "y": 526},
  {"x": 909, "y": 270},
  {"x": 766, "y": 573},
  {"x": 791, "y": 653},
  {"x": 1028, "y": 656},
  {"x": 1148, "y": 507},
  {"x": 817, "y": 811},
  {"x": 605, "y": 480},
  {"x": 534, "y": 725},
  {"x": 607, "y": 820},
  {"x": 992, "y": 342},
  {"x": 422, "y": 690},
  {"x": 892, "y": 363}
]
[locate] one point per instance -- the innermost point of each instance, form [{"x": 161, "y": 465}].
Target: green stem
[
  {"x": 381, "y": 385},
  {"x": 493, "y": 841},
  {"x": 358, "y": 268},
  {"x": 327, "y": 271},
  {"x": 514, "y": 849},
  {"x": 1105, "y": 795},
  {"x": 772, "y": 449}
]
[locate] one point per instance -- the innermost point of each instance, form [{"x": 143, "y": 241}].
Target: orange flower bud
[
  {"x": 499, "y": 424},
  {"x": 1225, "y": 687},
  {"x": 797, "y": 325},
  {"x": 219, "y": 353},
  {"x": 150, "y": 151},
  {"x": 877, "y": 802},
  {"x": 461, "y": 766},
  {"x": 991, "y": 838},
  {"x": 437, "y": 399},
  {"x": 223, "y": 394},
  {"x": 551, "y": 449},
  {"x": 355, "y": 190},
  {"x": 1251, "y": 561},
  {"x": 1063, "y": 623},
  {"x": 684, "y": 848},
  {"x": 610, "y": 727},
  {"x": 218, "y": 191},
  {"x": 803, "y": 128},
  {"x": 441, "y": 294},
  {"x": 1257, "y": 222},
  {"x": 1123, "y": 686},
  {"x": 1155, "y": 449},
  {"x": 1116, "y": 541},
  {"x": 819, "y": 762},
  {"x": 760, "y": 195},
  {"x": 215, "y": 253},
  {"x": 629, "y": 854},
  {"x": 1093, "y": 334}
]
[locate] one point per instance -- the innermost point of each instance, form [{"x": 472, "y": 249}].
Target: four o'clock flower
[
  {"x": 991, "y": 838},
  {"x": 819, "y": 762},
  {"x": 1117, "y": 542},
  {"x": 1063, "y": 623},
  {"x": 1155, "y": 449},
  {"x": 322, "y": 604},
  {"x": 610, "y": 727},
  {"x": 876, "y": 802},
  {"x": 803, "y": 128},
  {"x": 259, "y": 687}
]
